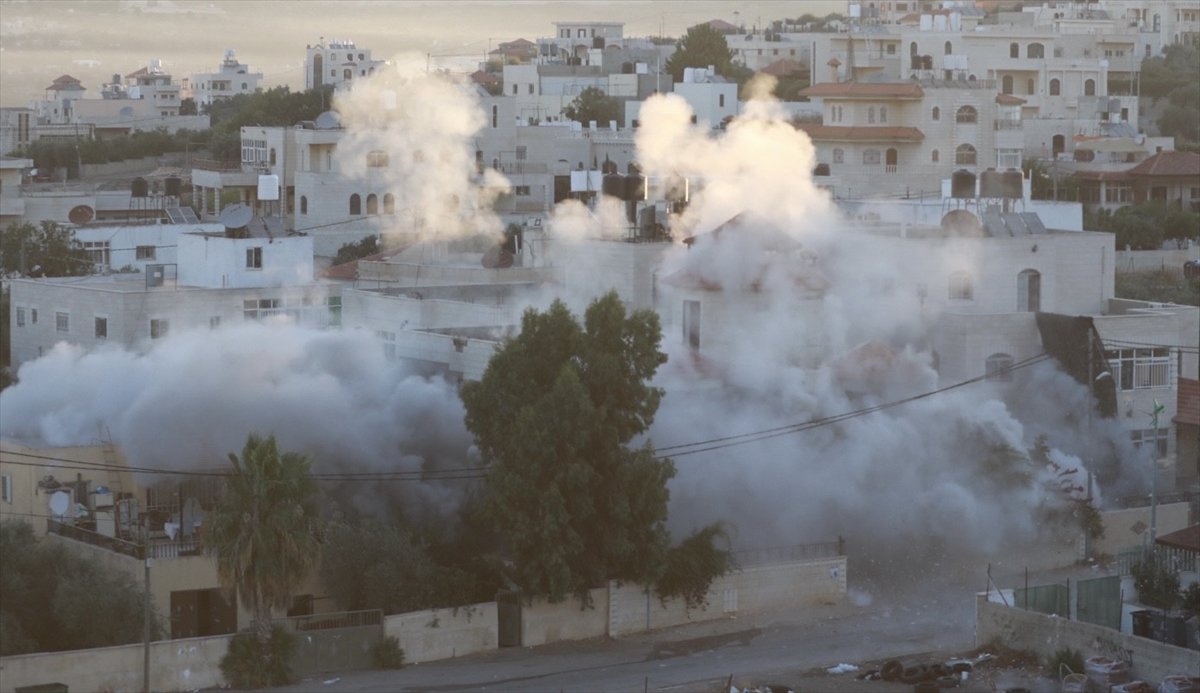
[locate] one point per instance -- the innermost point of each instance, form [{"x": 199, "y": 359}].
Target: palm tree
[{"x": 264, "y": 531}]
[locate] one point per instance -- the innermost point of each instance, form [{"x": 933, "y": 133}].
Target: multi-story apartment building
[
  {"x": 218, "y": 278},
  {"x": 580, "y": 43},
  {"x": 337, "y": 63},
  {"x": 231, "y": 78},
  {"x": 17, "y": 128}
]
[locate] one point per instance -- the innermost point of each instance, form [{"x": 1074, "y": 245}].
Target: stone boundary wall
[
  {"x": 1028, "y": 630},
  {"x": 433, "y": 634}
]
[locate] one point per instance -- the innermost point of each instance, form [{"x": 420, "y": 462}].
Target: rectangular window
[
  {"x": 1146, "y": 441},
  {"x": 6, "y": 488},
  {"x": 20, "y": 316},
  {"x": 521, "y": 190},
  {"x": 389, "y": 344},
  {"x": 334, "y": 304},
  {"x": 257, "y": 309},
  {"x": 1140, "y": 369},
  {"x": 1118, "y": 193},
  {"x": 33, "y": 316},
  {"x": 98, "y": 252},
  {"x": 214, "y": 322},
  {"x": 254, "y": 257},
  {"x": 159, "y": 328},
  {"x": 62, "y": 322},
  {"x": 691, "y": 324},
  {"x": 1008, "y": 158},
  {"x": 101, "y": 328},
  {"x": 145, "y": 252}
]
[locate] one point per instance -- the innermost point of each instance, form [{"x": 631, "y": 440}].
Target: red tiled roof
[
  {"x": 65, "y": 82},
  {"x": 1101, "y": 175},
  {"x": 1169, "y": 164},
  {"x": 895, "y": 90},
  {"x": 869, "y": 133},
  {"x": 1009, "y": 100},
  {"x": 1187, "y": 538},
  {"x": 142, "y": 71},
  {"x": 1188, "y": 408},
  {"x": 719, "y": 25},
  {"x": 785, "y": 68}
]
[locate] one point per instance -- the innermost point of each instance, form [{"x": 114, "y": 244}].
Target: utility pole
[
  {"x": 1158, "y": 408},
  {"x": 146, "y": 563}
]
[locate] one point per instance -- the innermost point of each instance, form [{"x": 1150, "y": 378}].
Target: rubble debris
[{"x": 841, "y": 669}]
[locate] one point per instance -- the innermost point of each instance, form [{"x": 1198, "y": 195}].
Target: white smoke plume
[
  {"x": 194, "y": 397},
  {"x": 409, "y": 133}
]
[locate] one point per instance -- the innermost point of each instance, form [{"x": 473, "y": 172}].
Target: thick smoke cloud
[
  {"x": 194, "y": 397},
  {"x": 423, "y": 124}
]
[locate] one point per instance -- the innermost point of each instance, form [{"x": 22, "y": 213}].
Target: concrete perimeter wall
[
  {"x": 745, "y": 591},
  {"x": 1028, "y": 630},
  {"x": 175, "y": 665},
  {"x": 543, "y": 623},
  {"x": 434, "y": 634},
  {"x": 1149, "y": 260}
]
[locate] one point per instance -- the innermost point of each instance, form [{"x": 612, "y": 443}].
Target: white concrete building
[
  {"x": 12, "y": 205},
  {"x": 231, "y": 78},
  {"x": 338, "y": 63},
  {"x": 217, "y": 279},
  {"x": 123, "y": 246},
  {"x": 580, "y": 43},
  {"x": 17, "y": 129}
]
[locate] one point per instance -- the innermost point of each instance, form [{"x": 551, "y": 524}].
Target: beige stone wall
[
  {"x": 1121, "y": 526},
  {"x": 434, "y": 634},
  {"x": 543, "y": 623},
  {"x": 1028, "y": 630},
  {"x": 175, "y": 665}
]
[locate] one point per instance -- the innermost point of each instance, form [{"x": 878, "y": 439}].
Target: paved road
[{"x": 764, "y": 647}]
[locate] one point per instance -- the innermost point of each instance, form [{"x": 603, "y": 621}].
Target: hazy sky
[{"x": 42, "y": 39}]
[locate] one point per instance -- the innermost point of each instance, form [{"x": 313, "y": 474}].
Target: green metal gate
[
  {"x": 1044, "y": 599},
  {"x": 334, "y": 642},
  {"x": 1099, "y": 601}
]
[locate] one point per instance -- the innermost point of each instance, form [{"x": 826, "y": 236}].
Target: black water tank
[
  {"x": 173, "y": 185},
  {"x": 139, "y": 187},
  {"x": 962, "y": 184},
  {"x": 1012, "y": 184},
  {"x": 614, "y": 186},
  {"x": 991, "y": 184},
  {"x": 635, "y": 187},
  {"x": 609, "y": 166}
]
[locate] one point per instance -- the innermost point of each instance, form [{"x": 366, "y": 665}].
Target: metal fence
[
  {"x": 339, "y": 619},
  {"x": 1174, "y": 558},
  {"x": 789, "y": 554},
  {"x": 335, "y": 641}
]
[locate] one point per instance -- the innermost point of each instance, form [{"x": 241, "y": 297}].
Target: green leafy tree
[
  {"x": 46, "y": 250},
  {"x": 1179, "y": 225},
  {"x": 1156, "y": 583},
  {"x": 1181, "y": 122},
  {"x": 593, "y": 104},
  {"x": 357, "y": 249},
  {"x": 1137, "y": 229},
  {"x": 188, "y": 107},
  {"x": 51, "y": 599},
  {"x": 700, "y": 47},
  {"x": 265, "y": 532},
  {"x": 552, "y": 417}
]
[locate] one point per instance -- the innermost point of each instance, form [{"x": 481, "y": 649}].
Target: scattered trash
[
  {"x": 841, "y": 669},
  {"x": 331, "y": 681},
  {"x": 1104, "y": 673}
]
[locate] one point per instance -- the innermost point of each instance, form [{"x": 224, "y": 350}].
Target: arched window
[
  {"x": 998, "y": 367},
  {"x": 1006, "y": 84},
  {"x": 304, "y": 204},
  {"x": 937, "y": 113},
  {"x": 361, "y": 56},
  {"x": 347, "y": 74},
  {"x": 1029, "y": 86},
  {"x": 912, "y": 48},
  {"x": 871, "y": 114},
  {"x": 1058, "y": 145},
  {"x": 966, "y": 114},
  {"x": 964, "y": 155},
  {"x": 377, "y": 159},
  {"x": 389, "y": 203},
  {"x": 839, "y": 156},
  {"x": 1029, "y": 291},
  {"x": 1035, "y": 50},
  {"x": 948, "y": 48},
  {"x": 350, "y": 57},
  {"x": 960, "y": 287},
  {"x": 890, "y": 159},
  {"x": 883, "y": 114},
  {"x": 1055, "y": 87},
  {"x": 1014, "y": 50},
  {"x": 355, "y": 205},
  {"x": 933, "y": 156},
  {"x": 372, "y": 204},
  {"x": 1089, "y": 87}
]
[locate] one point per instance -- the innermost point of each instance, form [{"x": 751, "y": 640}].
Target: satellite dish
[
  {"x": 236, "y": 216},
  {"x": 328, "y": 120},
  {"x": 497, "y": 258},
  {"x": 60, "y": 503},
  {"x": 81, "y": 214}
]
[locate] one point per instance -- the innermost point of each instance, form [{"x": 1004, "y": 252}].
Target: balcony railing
[
  {"x": 155, "y": 548},
  {"x": 889, "y": 168},
  {"x": 1007, "y": 124},
  {"x": 789, "y": 554}
]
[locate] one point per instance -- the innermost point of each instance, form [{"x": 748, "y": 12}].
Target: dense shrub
[{"x": 246, "y": 666}]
